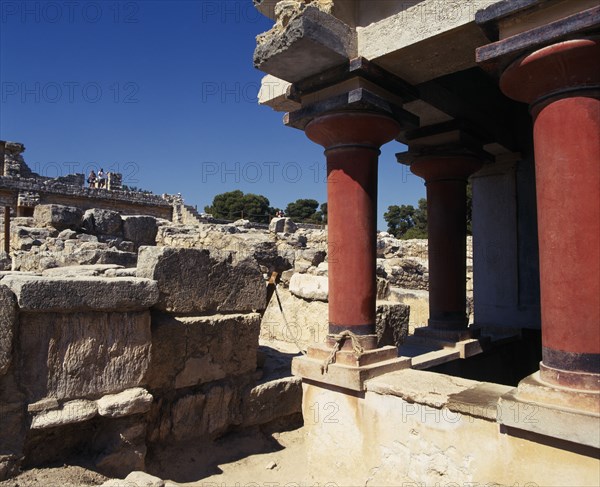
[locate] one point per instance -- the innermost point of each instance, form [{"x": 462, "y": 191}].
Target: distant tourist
[
  {"x": 280, "y": 214},
  {"x": 92, "y": 179},
  {"x": 101, "y": 178}
]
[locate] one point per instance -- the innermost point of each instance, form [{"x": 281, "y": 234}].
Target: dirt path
[{"x": 251, "y": 459}]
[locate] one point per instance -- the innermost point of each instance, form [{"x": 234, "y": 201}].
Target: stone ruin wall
[
  {"x": 120, "y": 332},
  {"x": 19, "y": 184},
  {"x": 106, "y": 364}
]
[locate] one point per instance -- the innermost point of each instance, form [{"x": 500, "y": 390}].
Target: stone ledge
[
  {"x": 549, "y": 420},
  {"x": 480, "y": 401},
  {"x": 428, "y": 388},
  {"x": 50, "y": 413},
  {"x": 45, "y": 294},
  {"x": 353, "y": 378},
  {"x": 568, "y": 414},
  {"x": 312, "y": 42}
]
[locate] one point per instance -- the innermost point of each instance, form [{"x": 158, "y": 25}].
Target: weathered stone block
[
  {"x": 392, "y": 323},
  {"x": 8, "y": 318},
  {"x": 135, "y": 479},
  {"x": 307, "y": 321},
  {"x": 25, "y": 238},
  {"x": 311, "y": 43},
  {"x": 46, "y": 294},
  {"x": 102, "y": 222},
  {"x": 272, "y": 400},
  {"x": 141, "y": 230},
  {"x": 195, "y": 350},
  {"x": 12, "y": 426},
  {"x": 72, "y": 356},
  {"x": 58, "y": 216},
  {"x": 126, "y": 403},
  {"x": 71, "y": 412},
  {"x": 203, "y": 415},
  {"x": 123, "y": 447},
  {"x": 282, "y": 225},
  {"x": 310, "y": 287},
  {"x": 91, "y": 270},
  {"x": 5, "y": 261},
  {"x": 202, "y": 281}
]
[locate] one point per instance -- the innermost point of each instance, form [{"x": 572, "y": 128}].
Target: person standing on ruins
[
  {"x": 91, "y": 179},
  {"x": 101, "y": 178}
]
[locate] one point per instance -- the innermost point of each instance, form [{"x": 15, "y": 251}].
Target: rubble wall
[{"x": 101, "y": 369}]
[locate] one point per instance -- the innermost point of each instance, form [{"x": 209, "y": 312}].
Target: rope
[{"x": 339, "y": 343}]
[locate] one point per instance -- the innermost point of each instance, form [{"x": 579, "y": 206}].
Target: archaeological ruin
[{"x": 145, "y": 342}]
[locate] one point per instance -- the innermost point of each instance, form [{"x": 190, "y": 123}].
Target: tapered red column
[
  {"x": 562, "y": 85},
  {"x": 446, "y": 180},
  {"x": 352, "y": 141}
]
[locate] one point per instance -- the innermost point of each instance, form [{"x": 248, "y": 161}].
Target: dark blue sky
[{"x": 162, "y": 91}]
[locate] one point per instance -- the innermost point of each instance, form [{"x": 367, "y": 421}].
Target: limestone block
[
  {"x": 260, "y": 245},
  {"x": 310, "y": 287},
  {"x": 272, "y": 400},
  {"x": 203, "y": 281},
  {"x": 67, "y": 234},
  {"x": 309, "y": 44},
  {"x": 187, "y": 351},
  {"x": 311, "y": 255},
  {"x": 5, "y": 261},
  {"x": 58, "y": 216},
  {"x": 203, "y": 415},
  {"x": 24, "y": 238},
  {"x": 102, "y": 222},
  {"x": 142, "y": 479},
  {"x": 122, "y": 447},
  {"x": 307, "y": 321},
  {"x": 282, "y": 225},
  {"x": 71, "y": 255},
  {"x": 273, "y": 93},
  {"x": 12, "y": 426},
  {"x": 9, "y": 466},
  {"x": 47, "y": 294},
  {"x": 80, "y": 270},
  {"x": 71, "y": 412},
  {"x": 8, "y": 319},
  {"x": 126, "y": 403},
  {"x": 392, "y": 323},
  {"x": 140, "y": 229},
  {"x": 76, "y": 355}
]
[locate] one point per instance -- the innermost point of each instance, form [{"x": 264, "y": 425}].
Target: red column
[
  {"x": 446, "y": 180},
  {"x": 561, "y": 83},
  {"x": 352, "y": 141}
]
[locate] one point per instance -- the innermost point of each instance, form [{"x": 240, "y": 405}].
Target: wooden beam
[{"x": 497, "y": 55}]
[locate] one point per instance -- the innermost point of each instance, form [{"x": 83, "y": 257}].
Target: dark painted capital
[
  {"x": 554, "y": 70},
  {"x": 439, "y": 168},
  {"x": 352, "y": 128}
]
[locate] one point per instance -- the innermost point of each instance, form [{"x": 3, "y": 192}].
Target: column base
[
  {"x": 349, "y": 370},
  {"x": 567, "y": 414},
  {"x": 569, "y": 379}
]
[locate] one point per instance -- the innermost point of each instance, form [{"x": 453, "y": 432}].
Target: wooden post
[{"x": 7, "y": 229}]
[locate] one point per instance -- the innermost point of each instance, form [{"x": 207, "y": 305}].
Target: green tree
[
  {"x": 406, "y": 222},
  {"x": 324, "y": 212},
  {"x": 419, "y": 217},
  {"x": 304, "y": 210},
  {"x": 400, "y": 219},
  {"x": 235, "y": 204}
]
